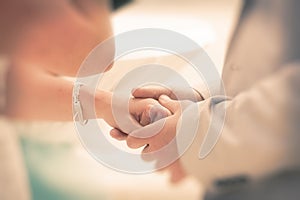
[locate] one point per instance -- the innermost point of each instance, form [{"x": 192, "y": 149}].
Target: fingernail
[{"x": 164, "y": 97}]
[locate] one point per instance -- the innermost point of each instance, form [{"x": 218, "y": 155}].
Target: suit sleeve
[{"x": 255, "y": 132}]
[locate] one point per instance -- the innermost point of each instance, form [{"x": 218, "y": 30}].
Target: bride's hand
[
  {"x": 148, "y": 110},
  {"x": 118, "y": 110}
]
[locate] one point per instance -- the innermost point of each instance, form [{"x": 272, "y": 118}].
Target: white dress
[
  {"x": 59, "y": 167},
  {"x": 13, "y": 176}
]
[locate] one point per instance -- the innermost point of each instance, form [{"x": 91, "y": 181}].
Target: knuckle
[{"x": 131, "y": 142}]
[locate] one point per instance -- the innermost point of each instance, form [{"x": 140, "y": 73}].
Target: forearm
[
  {"x": 97, "y": 104},
  {"x": 36, "y": 95}
]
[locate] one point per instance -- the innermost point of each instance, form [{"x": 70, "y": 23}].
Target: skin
[
  {"x": 45, "y": 40},
  {"x": 162, "y": 137}
]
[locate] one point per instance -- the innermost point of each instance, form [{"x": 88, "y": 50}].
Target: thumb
[{"x": 168, "y": 103}]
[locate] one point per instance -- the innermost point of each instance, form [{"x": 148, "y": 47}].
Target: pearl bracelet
[{"x": 77, "y": 109}]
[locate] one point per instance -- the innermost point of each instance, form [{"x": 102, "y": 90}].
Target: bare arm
[
  {"x": 44, "y": 40},
  {"x": 53, "y": 35}
]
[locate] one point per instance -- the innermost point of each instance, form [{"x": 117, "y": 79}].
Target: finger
[
  {"x": 149, "y": 131},
  {"x": 145, "y": 135},
  {"x": 158, "y": 112},
  {"x": 151, "y": 153},
  {"x": 168, "y": 103},
  {"x": 145, "y": 118},
  {"x": 118, "y": 135},
  {"x": 146, "y": 154},
  {"x": 153, "y": 113},
  {"x": 152, "y": 92},
  {"x": 135, "y": 143}
]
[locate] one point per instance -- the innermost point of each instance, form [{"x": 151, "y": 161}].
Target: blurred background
[{"x": 45, "y": 160}]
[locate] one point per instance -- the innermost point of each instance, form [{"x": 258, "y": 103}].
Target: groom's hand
[
  {"x": 168, "y": 132},
  {"x": 155, "y": 91},
  {"x": 163, "y": 137}
]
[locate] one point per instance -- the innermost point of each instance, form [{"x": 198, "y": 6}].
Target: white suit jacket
[{"x": 261, "y": 76}]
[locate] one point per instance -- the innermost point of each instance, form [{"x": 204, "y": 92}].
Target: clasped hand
[{"x": 168, "y": 107}]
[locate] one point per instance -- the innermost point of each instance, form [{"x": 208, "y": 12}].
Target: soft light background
[{"x": 58, "y": 165}]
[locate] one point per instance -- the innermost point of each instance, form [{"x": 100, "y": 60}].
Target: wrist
[
  {"x": 103, "y": 103},
  {"x": 103, "y": 107}
]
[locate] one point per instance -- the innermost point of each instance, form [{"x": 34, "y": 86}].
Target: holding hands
[{"x": 150, "y": 136}]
